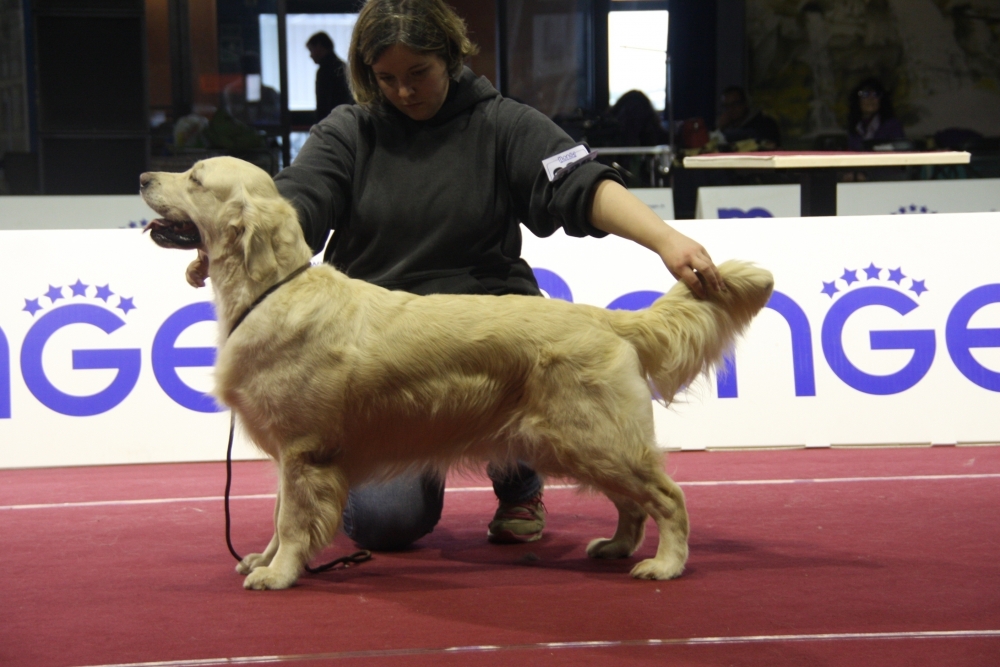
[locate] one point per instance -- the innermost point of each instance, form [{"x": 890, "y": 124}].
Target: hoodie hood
[{"x": 464, "y": 92}]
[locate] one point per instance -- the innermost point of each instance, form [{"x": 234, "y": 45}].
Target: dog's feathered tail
[{"x": 680, "y": 336}]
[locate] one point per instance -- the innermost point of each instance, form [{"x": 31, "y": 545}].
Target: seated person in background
[
  {"x": 638, "y": 125},
  {"x": 737, "y": 124},
  {"x": 638, "y": 121},
  {"x": 871, "y": 119},
  {"x": 247, "y": 99}
]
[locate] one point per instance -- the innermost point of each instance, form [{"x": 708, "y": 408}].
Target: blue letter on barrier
[
  {"x": 921, "y": 342},
  {"x": 167, "y": 358},
  {"x": 552, "y": 284},
  {"x": 802, "y": 352},
  {"x": 725, "y": 379},
  {"x": 127, "y": 362},
  {"x": 755, "y": 212},
  {"x": 960, "y": 337},
  {"x": 4, "y": 377}
]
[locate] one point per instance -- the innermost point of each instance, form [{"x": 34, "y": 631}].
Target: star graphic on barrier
[
  {"x": 872, "y": 272},
  {"x": 79, "y": 289},
  {"x": 103, "y": 293},
  {"x": 54, "y": 293},
  {"x": 912, "y": 208},
  {"x": 125, "y": 304},
  {"x": 31, "y": 306},
  {"x": 918, "y": 287}
]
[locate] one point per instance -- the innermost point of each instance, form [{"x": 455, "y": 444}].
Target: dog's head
[{"x": 223, "y": 207}]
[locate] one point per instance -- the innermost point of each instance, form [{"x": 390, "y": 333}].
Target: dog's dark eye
[{"x": 194, "y": 179}]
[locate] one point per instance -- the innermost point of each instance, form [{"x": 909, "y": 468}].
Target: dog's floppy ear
[
  {"x": 255, "y": 238},
  {"x": 197, "y": 270}
]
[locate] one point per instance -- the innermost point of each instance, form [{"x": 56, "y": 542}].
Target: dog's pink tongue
[{"x": 154, "y": 224}]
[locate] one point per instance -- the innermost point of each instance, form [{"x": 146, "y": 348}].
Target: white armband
[{"x": 561, "y": 164}]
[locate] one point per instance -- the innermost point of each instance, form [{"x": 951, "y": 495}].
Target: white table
[{"x": 818, "y": 170}]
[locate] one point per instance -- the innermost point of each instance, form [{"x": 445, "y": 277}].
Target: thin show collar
[{"x": 266, "y": 294}]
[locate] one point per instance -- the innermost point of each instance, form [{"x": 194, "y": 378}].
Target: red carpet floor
[{"x": 822, "y": 557}]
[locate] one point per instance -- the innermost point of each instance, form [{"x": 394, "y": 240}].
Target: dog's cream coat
[{"x": 342, "y": 382}]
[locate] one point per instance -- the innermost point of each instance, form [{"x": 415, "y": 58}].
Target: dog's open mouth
[{"x": 174, "y": 233}]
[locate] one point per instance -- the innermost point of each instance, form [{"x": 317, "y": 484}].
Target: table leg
[{"x": 819, "y": 192}]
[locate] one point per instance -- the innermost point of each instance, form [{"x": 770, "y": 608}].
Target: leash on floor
[{"x": 345, "y": 561}]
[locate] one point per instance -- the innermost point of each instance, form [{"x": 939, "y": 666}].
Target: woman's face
[
  {"x": 413, "y": 82},
  {"x": 870, "y": 102}
]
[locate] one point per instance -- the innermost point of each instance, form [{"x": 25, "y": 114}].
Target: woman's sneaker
[{"x": 515, "y": 523}]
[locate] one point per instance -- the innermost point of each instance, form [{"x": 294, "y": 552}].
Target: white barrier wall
[
  {"x": 661, "y": 200},
  {"x": 880, "y": 198},
  {"x": 872, "y": 337},
  {"x": 916, "y": 197},
  {"x": 748, "y": 201},
  {"x": 74, "y": 212}
]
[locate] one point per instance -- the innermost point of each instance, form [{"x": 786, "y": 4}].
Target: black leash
[{"x": 345, "y": 561}]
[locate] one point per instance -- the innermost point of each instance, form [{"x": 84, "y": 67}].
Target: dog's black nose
[{"x": 144, "y": 179}]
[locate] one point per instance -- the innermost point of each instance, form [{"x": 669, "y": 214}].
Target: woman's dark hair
[
  {"x": 426, "y": 26},
  {"x": 885, "y": 109},
  {"x": 639, "y": 123}
]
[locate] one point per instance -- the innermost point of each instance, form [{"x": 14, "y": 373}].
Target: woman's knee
[{"x": 393, "y": 515}]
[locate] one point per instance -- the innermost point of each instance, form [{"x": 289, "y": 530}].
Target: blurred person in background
[
  {"x": 871, "y": 119},
  {"x": 638, "y": 124},
  {"x": 737, "y": 123},
  {"x": 331, "y": 77}
]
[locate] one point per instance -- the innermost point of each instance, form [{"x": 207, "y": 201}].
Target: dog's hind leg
[
  {"x": 665, "y": 502},
  {"x": 312, "y": 499},
  {"x": 646, "y": 490},
  {"x": 253, "y": 561},
  {"x": 629, "y": 534},
  {"x": 630, "y": 473}
]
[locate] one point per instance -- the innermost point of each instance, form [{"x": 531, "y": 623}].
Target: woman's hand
[
  {"x": 617, "y": 211},
  {"x": 688, "y": 261}
]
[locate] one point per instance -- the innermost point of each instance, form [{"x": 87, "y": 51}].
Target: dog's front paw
[
  {"x": 653, "y": 568},
  {"x": 252, "y": 562},
  {"x": 605, "y": 548},
  {"x": 267, "y": 579}
]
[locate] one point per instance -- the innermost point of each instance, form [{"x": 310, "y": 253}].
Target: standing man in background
[{"x": 331, "y": 79}]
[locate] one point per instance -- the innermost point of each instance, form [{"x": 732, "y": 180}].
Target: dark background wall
[
  {"x": 97, "y": 89},
  {"x": 692, "y": 47},
  {"x": 91, "y": 101}
]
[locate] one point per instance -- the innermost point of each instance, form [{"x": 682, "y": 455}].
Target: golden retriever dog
[{"x": 342, "y": 382}]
